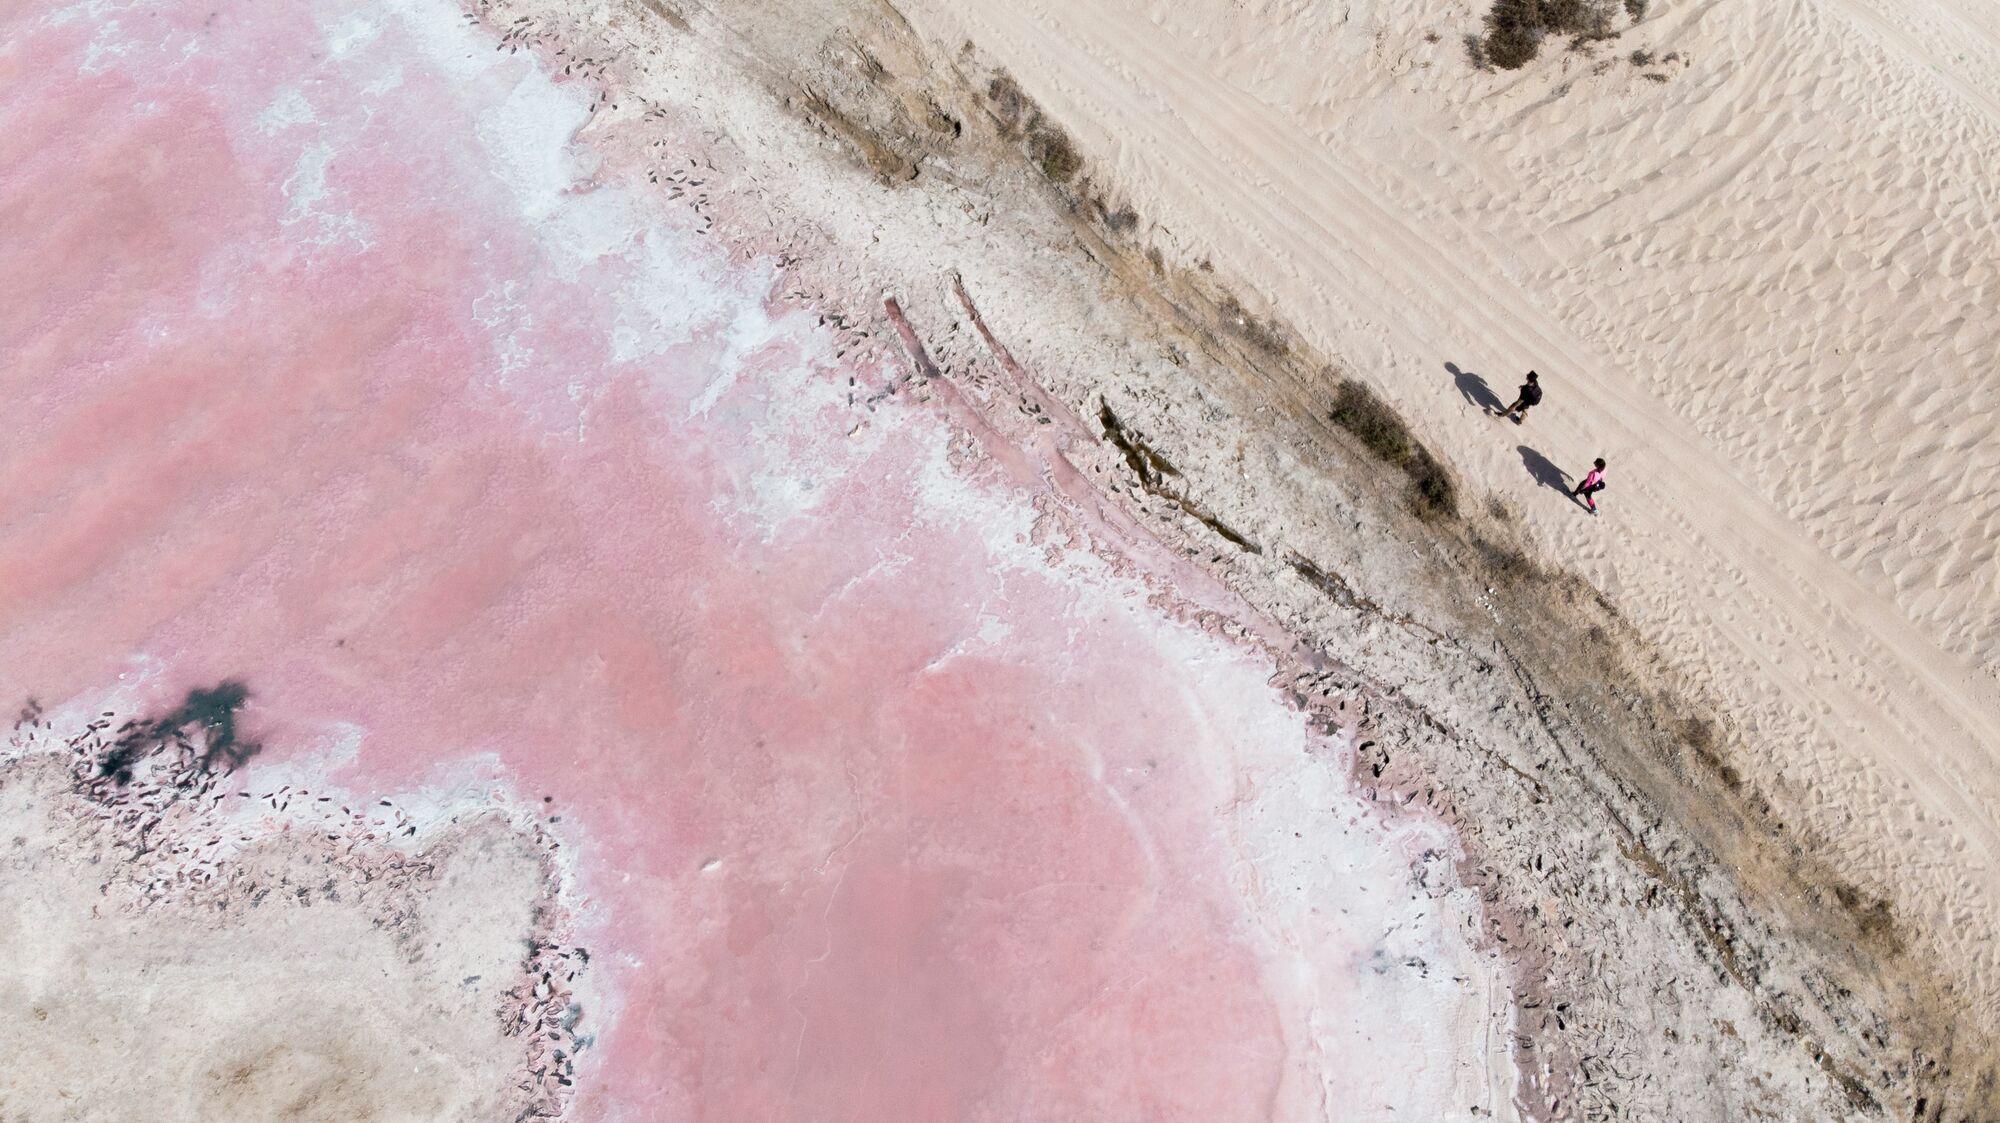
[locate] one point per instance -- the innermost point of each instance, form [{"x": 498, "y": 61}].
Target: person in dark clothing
[
  {"x": 1531, "y": 394},
  {"x": 1590, "y": 485}
]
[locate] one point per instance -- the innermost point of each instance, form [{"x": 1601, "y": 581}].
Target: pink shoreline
[{"x": 883, "y": 809}]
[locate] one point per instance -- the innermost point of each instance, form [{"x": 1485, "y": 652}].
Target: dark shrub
[
  {"x": 1053, "y": 153},
  {"x": 1357, "y": 410},
  {"x": 1515, "y": 28},
  {"x": 1381, "y": 431}
]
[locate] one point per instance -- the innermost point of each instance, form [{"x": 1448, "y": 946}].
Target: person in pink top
[{"x": 1591, "y": 485}]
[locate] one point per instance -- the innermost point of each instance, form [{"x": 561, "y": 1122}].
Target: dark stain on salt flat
[{"x": 209, "y": 715}]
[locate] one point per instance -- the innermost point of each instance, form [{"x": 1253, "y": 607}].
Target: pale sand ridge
[{"x": 1761, "y": 288}]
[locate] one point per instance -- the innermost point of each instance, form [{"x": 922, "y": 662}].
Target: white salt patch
[
  {"x": 325, "y": 753},
  {"x": 947, "y": 496},
  {"x": 750, "y": 330},
  {"x": 526, "y": 140},
  {"x": 93, "y": 10},
  {"x": 501, "y": 310},
  {"x": 287, "y": 110},
  {"x": 672, "y": 287},
  {"x": 345, "y": 36},
  {"x": 389, "y": 80},
  {"x": 751, "y": 327},
  {"x": 1378, "y": 968},
  {"x": 107, "y": 45},
  {"x": 716, "y": 387},
  {"x": 307, "y": 189},
  {"x": 439, "y": 32}
]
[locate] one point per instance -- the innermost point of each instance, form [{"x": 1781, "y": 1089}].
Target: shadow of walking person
[
  {"x": 1545, "y": 472},
  {"x": 1475, "y": 390}
]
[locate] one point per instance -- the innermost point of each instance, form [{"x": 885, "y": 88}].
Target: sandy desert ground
[
  {"x": 1762, "y": 287},
  {"x": 740, "y": 560}
]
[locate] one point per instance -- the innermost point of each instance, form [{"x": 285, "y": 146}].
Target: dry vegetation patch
[
  {"x": 1515, "y": 28},
  {"x": 1022, "y": 120},
  {"x": 1382, "y": 431}
]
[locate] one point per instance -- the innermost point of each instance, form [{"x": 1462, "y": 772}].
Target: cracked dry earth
[{"x": 667, "y": 561}]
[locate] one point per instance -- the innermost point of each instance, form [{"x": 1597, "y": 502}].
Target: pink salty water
[{"x": 335, "y": 365}]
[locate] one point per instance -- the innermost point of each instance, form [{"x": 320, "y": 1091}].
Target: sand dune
[{"x": 1762, "y": 287}]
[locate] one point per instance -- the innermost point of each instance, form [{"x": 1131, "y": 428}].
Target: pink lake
[{"x": 339, "y": 367}]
